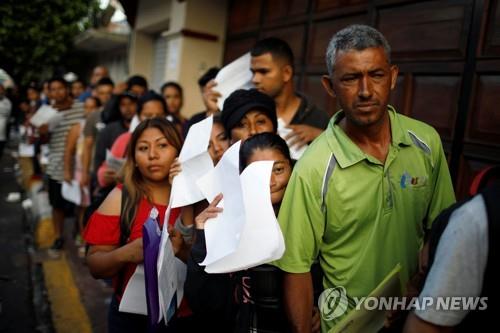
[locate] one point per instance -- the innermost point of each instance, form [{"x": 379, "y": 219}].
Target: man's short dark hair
[
  {"x": 278, "y": 48},
  {"x": 79, "y": 81},
  {"x": 137, "y": 80},
  {"x": 209, "y": 75},
  {"x": 105, "y": 81},
  {"x": 58, "y": 79}
]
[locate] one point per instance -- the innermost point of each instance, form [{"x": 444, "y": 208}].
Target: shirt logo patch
[{"x": 409, "y": 181}]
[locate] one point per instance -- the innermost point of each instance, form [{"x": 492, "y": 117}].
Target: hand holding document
[
  {"x": 246, "y": 233},
  {"x": 43, "y": 115},
  {"x": 260, "y": 240},
  {"x": 72, "y": 192},
  {"x": 234, "y": 76},
  {"x": 195, "y": 162},
  {"x": 283, "y": 131},
  {"x": 114, "y": 163},
  {"x": 371, "y": 321},
  {"x": 151, "y": 234}
]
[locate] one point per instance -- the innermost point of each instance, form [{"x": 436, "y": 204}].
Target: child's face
[{"x": 280, "y": 174}]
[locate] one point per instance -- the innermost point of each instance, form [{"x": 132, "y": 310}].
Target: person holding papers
[
  {"x": 248, "y": 112},
  {"x": 114, "y": 231},
  {"x": 248, "y": 300}
]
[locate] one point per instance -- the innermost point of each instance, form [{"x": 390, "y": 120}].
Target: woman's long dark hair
[
  {"x": 133, "y": 180},
  {"x": 262, "y": 141}
]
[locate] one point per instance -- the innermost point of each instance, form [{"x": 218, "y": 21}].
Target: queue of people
[{"x": 360, "y": 200}]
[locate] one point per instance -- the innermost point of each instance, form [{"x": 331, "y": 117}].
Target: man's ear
[
  {"x": 327, "y": 84},
  {"x": 394, "y": 76},
  {"x": 287, "y": 73}
]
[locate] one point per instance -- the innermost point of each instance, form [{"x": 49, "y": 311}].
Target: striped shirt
[{"x": 57, "y": 143}]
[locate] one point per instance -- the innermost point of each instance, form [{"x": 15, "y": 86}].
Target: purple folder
[{"x": 151, "y": 235}]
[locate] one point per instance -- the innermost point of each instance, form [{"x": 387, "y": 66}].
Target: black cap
[
  {"x": 209, "y": 75},
  {"x": 242, "y": 101}
]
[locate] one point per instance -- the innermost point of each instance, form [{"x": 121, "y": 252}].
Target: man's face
[
  {"x": 104, "y": 92},
  {"x": 138, "y": 90},
  {"x": 269, "y": 75},
  {"x": 361, "y": 82},
  {"x": 59, "y": 92},
  {"x": 97, "y": 74},
  {"x": 77, "y": 89},
  {"x": 128, "y": 107},
  {"x": 152, "y": 109}
]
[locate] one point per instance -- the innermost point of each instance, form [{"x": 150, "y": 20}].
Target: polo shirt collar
[{"x": 347, "y": 153}]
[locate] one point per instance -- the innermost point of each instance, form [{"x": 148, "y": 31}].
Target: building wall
[
  {"x": 194, "y": 36},
  {"x": 448, "y": 53}
]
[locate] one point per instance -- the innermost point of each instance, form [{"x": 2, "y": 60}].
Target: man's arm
[
  {"x": 298, "y": 296},
  {"x": 416, "y": 325}
]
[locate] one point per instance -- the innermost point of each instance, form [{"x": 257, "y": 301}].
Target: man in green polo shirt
[{"x": 365, "y": 190}]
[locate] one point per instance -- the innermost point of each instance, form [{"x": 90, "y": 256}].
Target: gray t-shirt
[{"x": 459, "y": 264}]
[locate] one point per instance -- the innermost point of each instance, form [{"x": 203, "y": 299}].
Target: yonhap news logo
[{"x": 333, "y": 303}]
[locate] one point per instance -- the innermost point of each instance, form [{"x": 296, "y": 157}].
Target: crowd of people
[{"x": 359, "y": 201}]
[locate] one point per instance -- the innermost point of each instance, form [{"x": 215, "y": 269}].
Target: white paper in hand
[
  {"x": 222, "y": 234},
  {"x": 43, "y": 115},
  {"x": 195, "y": 162},
  {"x": 71, "y": 192},
  {"x": 134, "y": 296},
  {"x": 114, "y": 163},
  {"x": 234, "y": 76},
  {"x": 261, "y": 240},
  {"x": 283, "y": 131}
]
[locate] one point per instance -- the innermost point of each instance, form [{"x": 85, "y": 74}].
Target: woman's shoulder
[{"x": 112, "y": 204}]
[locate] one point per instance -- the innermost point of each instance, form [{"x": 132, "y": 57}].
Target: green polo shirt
[{"x": 365, "y": 216}]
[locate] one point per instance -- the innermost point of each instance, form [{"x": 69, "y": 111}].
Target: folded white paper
[
  {"x": 171, "y": 271},
  {"x": 43, "y": 115},
  {"x": 26, "y": 150},
  {"x": 134, "y": 296},
  {"x": 114, "y": 163},
  {"x": 71, "y": 192},
  {"x": 283, "y": 131},
  {"x": 234, "y": 76},
  {"x": 222, "y": 233},
  {"x": 260, "y": 240},
  {"x": 195, "y": 162}
]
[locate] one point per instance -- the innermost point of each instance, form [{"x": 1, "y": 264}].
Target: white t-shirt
[
  {"x": 459, "y": 264},
  {"x": 5, "y": 108}
]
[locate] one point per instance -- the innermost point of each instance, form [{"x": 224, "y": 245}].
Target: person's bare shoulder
[{"x": 112, "y": 204}]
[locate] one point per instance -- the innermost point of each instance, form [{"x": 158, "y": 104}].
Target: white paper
[
  {"x": 171, "y": 271},
  {"x": 114, "y": 163},
  {"x": 71, "y": 192},
  {"x": 26, "y": 150},
  {"x": 223, "y": 232},
  {"x": 134, "y": 296},
  {"x": 195, "y": 162},
  {"x": 283, "y": 131},
  {"x": 43, "y": 115},
  {"x": 133, "y": 124},
  {"x": 261, "y": 240},
  {"x": 234, "y": 76}
]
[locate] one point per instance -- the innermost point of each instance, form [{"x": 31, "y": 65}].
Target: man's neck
[
  {"x": 64, "y": 105},
  {"x": 287, "y": 103},
  {"x": 374, "y": 139}
]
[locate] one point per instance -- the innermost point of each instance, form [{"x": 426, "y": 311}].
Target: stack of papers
[{"x": 44, "y": 115}]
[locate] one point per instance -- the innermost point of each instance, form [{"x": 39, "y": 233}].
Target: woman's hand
[
  {"x": 209, "y": 213},
  {"x": 175, "y": 169},
  {"x": 176, "y": 239}
]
